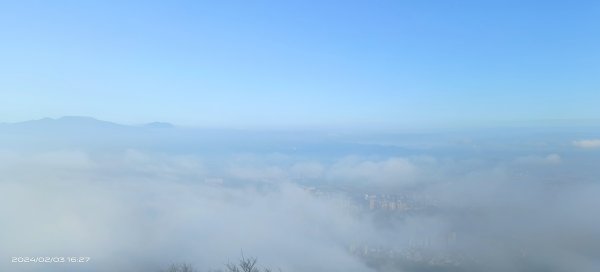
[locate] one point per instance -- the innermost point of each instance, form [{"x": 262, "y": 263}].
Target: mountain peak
[{"x": 68, "y": 121}]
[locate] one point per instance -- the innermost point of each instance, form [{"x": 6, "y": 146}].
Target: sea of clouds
[{"x": 136, "y": 209}]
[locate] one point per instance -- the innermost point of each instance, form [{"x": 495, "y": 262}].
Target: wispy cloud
[{"x": 588, "y": 144}]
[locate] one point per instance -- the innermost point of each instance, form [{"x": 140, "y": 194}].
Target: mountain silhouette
[{"x": 66, "y": 122}]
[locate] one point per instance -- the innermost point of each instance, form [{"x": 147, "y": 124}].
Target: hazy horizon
[{"x": 498, "y": 124}]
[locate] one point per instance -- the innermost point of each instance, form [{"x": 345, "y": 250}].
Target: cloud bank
[{"x": 588, "y": 144}]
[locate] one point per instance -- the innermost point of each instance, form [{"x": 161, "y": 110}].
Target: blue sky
[{"x": 387, "y": 64}]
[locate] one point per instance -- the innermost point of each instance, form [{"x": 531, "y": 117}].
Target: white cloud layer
[{"x": 139, "y": 211}]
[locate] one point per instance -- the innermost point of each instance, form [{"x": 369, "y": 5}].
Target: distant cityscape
[
  {"x": 398, "y": 203},
  {"x": 421, "y": 252}
]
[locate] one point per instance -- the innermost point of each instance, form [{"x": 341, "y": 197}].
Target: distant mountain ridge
[
  {"x": 82, "y": 132},
  {"x": 82, "y": 122},
  {"x": 87, "y": 133}
]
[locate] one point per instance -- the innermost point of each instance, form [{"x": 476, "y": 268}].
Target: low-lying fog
[{"x": 141, "y": 198}]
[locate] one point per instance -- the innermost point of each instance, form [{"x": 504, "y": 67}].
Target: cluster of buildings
[
  {"x": 386, "y": 202},
  {"x": 399, "y": 203},
  {"x": 379, "y": 202}
]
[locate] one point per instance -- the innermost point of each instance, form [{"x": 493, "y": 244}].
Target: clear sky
[{"x": 300, "y": 63}]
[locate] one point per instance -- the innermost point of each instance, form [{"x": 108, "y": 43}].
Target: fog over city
[{"x": 465, "y": 201}]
